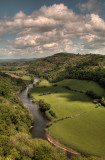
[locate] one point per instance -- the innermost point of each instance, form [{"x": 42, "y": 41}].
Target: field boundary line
[{"x": 49, "y": 138}]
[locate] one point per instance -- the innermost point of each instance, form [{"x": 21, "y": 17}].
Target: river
[{"x": 40, "y": 121}]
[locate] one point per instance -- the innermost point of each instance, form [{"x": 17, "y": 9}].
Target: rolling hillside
[{"x": 66, "y": 65}]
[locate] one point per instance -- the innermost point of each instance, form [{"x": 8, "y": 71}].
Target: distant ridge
[{"x": 17, "y": 60}]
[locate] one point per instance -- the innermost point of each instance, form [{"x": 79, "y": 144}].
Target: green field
[
  {"x": 84, "y": 132},
  {"x": 19, "y": 71},
  {"x": 28, "y": 78}
]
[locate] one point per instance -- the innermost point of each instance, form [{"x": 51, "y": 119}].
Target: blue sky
[
  {"x": 10, "y": 7},
  {"x": 38, "y": 28}
]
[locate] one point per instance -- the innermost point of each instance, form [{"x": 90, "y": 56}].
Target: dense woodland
[
  {"x": 15, "y": 120},
  {"x": 64, "y": 65}
]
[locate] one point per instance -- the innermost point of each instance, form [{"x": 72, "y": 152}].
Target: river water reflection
[{"x": 40, "y": 121}]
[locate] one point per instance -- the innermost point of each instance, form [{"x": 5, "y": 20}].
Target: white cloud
[
  {"x": 20, "y": 15},
  {"x": 50, "y": 45},
  {"x": 97, "y": 22},
  {"x": 54, "y": 29}
]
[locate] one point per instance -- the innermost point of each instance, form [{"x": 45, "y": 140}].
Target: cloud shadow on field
[{"x": 61, "y": 92}]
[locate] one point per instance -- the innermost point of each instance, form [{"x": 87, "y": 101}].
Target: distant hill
[
  {"x": 16, "y": 60},
  {"x": 69, "y": 65}
]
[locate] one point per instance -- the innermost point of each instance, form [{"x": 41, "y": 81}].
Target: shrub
[
  {"x": 91, "y": 94},
  {"x": 43, "y": 105},
  {"x": 103, "y": 101},
  {"x": 52, "y": 113},
  {"x": 54, "y": 85},
  {"x": 29, "y": 92}
]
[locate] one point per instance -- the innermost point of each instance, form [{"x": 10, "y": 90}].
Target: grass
[
  {"x": 21, "y": 72},
  {"x": 64, "y": 102},
  {"x": 28, "y": 78},
  {"x": 15, "y": 71},
  {"x": 85, "y": 132},
  {"x": 83, "y": 85}
]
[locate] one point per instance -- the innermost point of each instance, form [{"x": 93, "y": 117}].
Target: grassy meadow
[
  {"x": 85, "y": 131},
  {"x": 20, "y": 71}
]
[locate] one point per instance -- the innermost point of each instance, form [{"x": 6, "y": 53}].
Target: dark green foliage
[
  {"x": 29, "y": 92},
  {"x": 3, "y": 144},
  {"x": 54, "y": 85},
  {"x": 9, "y": 86},
  {"x": 43, "y": 152},
  {"x": 43, "y": 105},
  {"x": 37, "y": 83},
  {"x": 64, "y": 65},
  {"x": 103, "y": 101},
  {"x": 22, "y": 147},
  {"x": 102, "y": 82},
  {"x": 52, "y": 113},
  {"x": 15, "y": 121},
  {"x": 32, "y": 79},
  {"x": 14, "y": 117},
  {"x": 91, "y": 94}
]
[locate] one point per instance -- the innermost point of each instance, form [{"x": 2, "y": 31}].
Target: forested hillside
[
  {"x": 16, "y": 142},
  {"x": 64, "y": 65}
]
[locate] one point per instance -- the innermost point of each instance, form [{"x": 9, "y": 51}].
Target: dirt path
[
  {"x": 14, "y": 76},
  {"x": 58, "y": 146}
]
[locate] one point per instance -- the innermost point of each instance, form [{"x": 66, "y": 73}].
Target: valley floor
[{"x": 79, "y": 124}]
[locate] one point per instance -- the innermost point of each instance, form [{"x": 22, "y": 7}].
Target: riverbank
[
  {"x": 76, "y": 132},
  {"x": 69, "y": 152},
  {"x": 40, "y": 121}
]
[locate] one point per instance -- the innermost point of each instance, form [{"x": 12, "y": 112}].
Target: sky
[{"x": 40, "y": 28}]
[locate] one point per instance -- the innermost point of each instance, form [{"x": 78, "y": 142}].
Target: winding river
[{"x": 40, "y": 121}]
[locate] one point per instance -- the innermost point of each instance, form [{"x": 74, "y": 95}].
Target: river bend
[{"x": 40, "y": 121}]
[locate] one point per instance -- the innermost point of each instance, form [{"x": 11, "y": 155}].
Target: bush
[
  {"x": 29, "y": 92},
  {"x": 52, "y": 113},
  {"x": 103, "y": 101},
  {"x": 54, "y": 85},
  {"x": 91, "y": 94},
  {"x": 44, "y": 106},
  {"x": 43, "y": 152}
]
